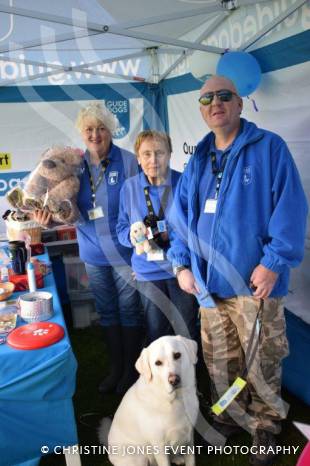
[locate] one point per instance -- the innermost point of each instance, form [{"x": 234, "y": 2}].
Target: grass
[{"x": 90, "y": 353}]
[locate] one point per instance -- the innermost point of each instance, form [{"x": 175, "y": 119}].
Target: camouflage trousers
[{"x": 225, "y": 335}]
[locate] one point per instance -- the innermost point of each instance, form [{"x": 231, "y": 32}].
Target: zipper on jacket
[
  {"x": 193, "y": 226},
  {"x": 221, "y": 198}
]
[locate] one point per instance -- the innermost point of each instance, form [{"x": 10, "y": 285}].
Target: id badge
[
  {"x": 210, "y": 206},
  {"x": 157, "y": 255},
  {"x": 149, "y": 233},
  {"x": 95, "y": 213},
  {"x": 161, "y": 226}
]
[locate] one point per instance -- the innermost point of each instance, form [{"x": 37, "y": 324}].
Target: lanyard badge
[
  {"x": 156, "y": 224},
  {"x": 210, "y": 206},
  {"x": 97, "y": 211},
  {"x": 211, "y": 203}
]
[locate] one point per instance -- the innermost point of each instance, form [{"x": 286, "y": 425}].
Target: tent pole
[
  {"x": 112, "y": 29},
  {"x": 152, "y": 52},
  {"x": 48, "y": 40},
  {"x": 163, "y": 40},
  {"x": 211, "y": 8}
]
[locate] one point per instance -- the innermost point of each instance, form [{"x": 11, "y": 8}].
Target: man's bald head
[
  {"x": 222, "y": 115},
  {"x": 218, "y": 82}
]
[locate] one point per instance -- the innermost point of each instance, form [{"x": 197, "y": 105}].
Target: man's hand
[
  {"x": 263, "y": 281},
  {"x": 43, "y": 217},
  {"x": 187, "y": 281}
]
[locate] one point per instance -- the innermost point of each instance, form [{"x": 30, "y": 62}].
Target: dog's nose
[{"x": 174, "y": 379}]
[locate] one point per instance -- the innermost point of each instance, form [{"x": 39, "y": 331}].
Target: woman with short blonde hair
[{"x": 107, "y": 262}]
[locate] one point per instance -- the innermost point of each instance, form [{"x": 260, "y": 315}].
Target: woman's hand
[{"x": 43, "y": 217}]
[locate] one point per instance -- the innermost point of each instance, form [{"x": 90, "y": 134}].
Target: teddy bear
[
  {"x": 53, "y": 185},
  {"x": 138, "y": 238}
]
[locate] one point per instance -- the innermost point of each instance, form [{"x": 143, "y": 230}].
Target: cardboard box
[{"x": 66, "y": 233}]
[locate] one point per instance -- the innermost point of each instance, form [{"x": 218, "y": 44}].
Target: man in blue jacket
[{"x": 240, "y": 219}]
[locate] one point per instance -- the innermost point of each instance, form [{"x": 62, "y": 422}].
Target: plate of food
[{"x": 8, "y": 318}]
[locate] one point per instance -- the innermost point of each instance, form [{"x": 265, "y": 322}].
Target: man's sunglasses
[{"x": 224, "y": 95}]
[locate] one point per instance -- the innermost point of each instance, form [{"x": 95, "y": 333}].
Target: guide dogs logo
[
  {"x": 120, "y": 108},
  {"x": 113, "y": 178},
  {"x": 247, "y": 176}
]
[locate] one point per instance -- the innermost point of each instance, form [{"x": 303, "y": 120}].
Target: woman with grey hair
[{"x": 107, "y": 262}]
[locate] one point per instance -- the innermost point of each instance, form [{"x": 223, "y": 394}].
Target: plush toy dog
[
  {"x": 138, "y": 238},
  {"x": 53, "y": 185}
]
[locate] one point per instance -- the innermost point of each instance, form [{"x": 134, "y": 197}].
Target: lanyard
[
  {"x": 94, "y": 186},
  {"x": 163, "y": 203},
  {"x": 253, "y": 347},
  {"x": 218, "y": 170}
]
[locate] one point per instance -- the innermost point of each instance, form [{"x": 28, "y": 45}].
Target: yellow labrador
[{"x": 154, "y": 422}]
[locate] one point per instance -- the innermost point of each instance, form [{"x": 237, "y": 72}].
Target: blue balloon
[{"x": 242, "y": 69}]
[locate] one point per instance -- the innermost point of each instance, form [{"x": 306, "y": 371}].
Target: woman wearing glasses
[
  {"x": 147, "y": 198},
  {"x": 107, "y": 262}
]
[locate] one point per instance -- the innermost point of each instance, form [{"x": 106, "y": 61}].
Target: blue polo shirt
[
  {"x": 133, "y": 208},
  {"x": 98, "y": 242}
]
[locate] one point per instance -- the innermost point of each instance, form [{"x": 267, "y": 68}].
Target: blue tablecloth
[
  {"x": 296, "y": 367},
  {"x": 36, "y": 389}
]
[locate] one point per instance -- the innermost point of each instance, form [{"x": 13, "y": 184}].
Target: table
[
  {"x": 36, "y": 389},
  {"x": 296, "y": 367}
]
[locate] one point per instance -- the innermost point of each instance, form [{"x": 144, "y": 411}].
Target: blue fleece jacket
[
  {"x": 133, "y": 209},
  {"x": 260, "y": 216},
  {"x": 97, "y": 239}
]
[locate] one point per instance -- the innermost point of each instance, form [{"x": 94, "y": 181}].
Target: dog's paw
[{"x": 178, "y": 460}]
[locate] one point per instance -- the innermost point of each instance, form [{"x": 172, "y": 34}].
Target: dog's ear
[
  {"x": 143, "y": 365},
  {"x": 191, "y": 347}
]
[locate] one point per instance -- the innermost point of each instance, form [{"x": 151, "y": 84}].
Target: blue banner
[{"x": 10, "y": 180}]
